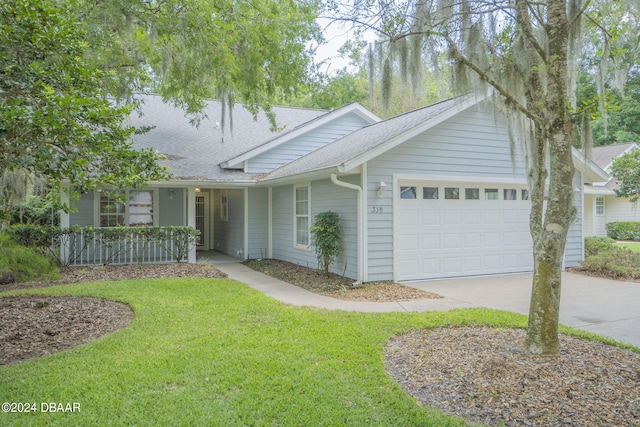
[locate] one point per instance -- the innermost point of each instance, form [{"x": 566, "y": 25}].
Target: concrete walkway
[{"x": 606, "y": 307}]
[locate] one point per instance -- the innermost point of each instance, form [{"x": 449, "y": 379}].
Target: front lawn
[
  {"x": 215, "y": 352},
  {"x": 633, "y": 246}
]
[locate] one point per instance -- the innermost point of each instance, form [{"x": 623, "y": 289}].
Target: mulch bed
[
  {"x": 484, "y": 375},
  {"x": 337, "y": 286}
]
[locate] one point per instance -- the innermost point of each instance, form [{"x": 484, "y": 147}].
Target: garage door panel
[
  {"x": 452, "y": 238},
  {"x": 452, "y": 241}
]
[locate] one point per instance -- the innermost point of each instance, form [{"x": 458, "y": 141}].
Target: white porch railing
[{"x": 126, "y": 245}]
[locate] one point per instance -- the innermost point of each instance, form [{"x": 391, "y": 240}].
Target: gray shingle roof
[
  {"x": 193, "y": 153},
  {"x": 603, "y": 156}
]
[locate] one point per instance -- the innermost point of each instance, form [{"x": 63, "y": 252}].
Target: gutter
[{"x": 361, "y": 224}]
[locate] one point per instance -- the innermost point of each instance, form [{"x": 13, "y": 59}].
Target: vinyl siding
[
  {"x": 171, "y": 211},
  {"x": 573, "y": 249},
  {"x": 620, "y": 209},
  {"x": 229, "y": 235},
  {"x": 84, "y": 214},
  {"x": 325, "y": 196},
  {"x": 258, "y": 223},
  {"x": 304, "y": 144}
]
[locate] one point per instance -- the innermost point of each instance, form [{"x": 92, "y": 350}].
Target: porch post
[
  {"x": 191, "y": 220},
  {"x": 64, "y": 222}
]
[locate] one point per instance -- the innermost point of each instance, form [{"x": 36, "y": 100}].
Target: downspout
[{"x": 360, "y": 231}]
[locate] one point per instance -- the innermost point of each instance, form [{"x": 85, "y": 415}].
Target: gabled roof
[
  {"x": 194, "y": 153},
  {"x": 355, "y": 108},
  {"x": 604, "y": 155},
  {"x": 364, "y": 144}
]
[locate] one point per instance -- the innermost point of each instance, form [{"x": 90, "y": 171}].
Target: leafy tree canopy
[
  {"x": 626, "y": 170},
  {"x": 56, "y": 123}
]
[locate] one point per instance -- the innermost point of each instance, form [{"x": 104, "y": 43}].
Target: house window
[
  {"x": 472, "y": 193},
  {"x": 491, "y": 194},
  {"x": 140, "y": 208},
  {"x": 133, "y": 208},
  {"x": 452, "y": 193},
  {"x": 224, "y": 205},
  {"x": 600, "y": 205},
  {"x": 111, "y": 211},
  {"x": 408, "y": 192},
  {"x": 430, "y": 193},
  {"x": 302, "y": 215},
  {"x": 510, "y": 194}
]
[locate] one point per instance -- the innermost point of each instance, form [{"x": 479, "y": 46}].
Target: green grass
[
  {"x": 634, "y": 246},
  {"x": 214, "y": 352}
]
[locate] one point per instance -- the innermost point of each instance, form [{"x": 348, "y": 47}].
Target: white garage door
[{"x": 461, "y": 229}]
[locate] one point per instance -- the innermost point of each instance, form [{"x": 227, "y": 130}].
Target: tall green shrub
[
  {"x": 326, "y": 238},
  {"x": 20, "y": 264}
]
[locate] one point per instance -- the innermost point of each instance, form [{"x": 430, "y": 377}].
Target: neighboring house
[
  {"x": 601, "y": 203},
  {"x": 433, "y": 193}
]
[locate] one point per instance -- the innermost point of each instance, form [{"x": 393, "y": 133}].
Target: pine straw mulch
[{"x": 478, "y": 373}]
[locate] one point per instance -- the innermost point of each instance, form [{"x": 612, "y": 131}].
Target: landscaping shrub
[
  {"x": 624, "y": 230},
  {"x": 326, "y": 238},
  {"x": 616, "y": 263},
  {"x": 20, "y": 264},
  {"x": 594, "y": 245}
]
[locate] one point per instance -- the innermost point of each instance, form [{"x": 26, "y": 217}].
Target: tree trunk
[{"x": 549, "y": 230}]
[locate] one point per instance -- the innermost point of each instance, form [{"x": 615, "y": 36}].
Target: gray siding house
[{"x": 437, "y": 192}]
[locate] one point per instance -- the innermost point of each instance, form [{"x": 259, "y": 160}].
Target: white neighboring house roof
[{"x": 604, "y": 157}]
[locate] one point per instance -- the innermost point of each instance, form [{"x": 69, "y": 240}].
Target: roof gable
[
  {"x": 604, "y": 155},
  {"x": 348, "y": 119}
]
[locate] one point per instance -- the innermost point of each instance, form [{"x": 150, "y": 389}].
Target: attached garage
[{"x": 456, "y": 229}]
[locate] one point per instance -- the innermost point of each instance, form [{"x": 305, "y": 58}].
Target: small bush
[
  {"x": 624, "y": 230},
  {"x": 594, "y": 245},
  {"x": 21, "y": 264},
  {"x": 617, "y": 263}
]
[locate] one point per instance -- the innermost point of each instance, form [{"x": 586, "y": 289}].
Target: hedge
[{"x": 624, "y": 230}]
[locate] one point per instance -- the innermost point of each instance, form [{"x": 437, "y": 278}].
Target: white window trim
[
  {"x": 96, "y": 206},
  {"x": 595, "y": 206},
  {"x": 295, "y": 216}
]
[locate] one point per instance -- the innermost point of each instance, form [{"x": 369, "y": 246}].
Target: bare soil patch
[
  {"x": 337, "y": 286},
  {"x": 483, "y": 375}
]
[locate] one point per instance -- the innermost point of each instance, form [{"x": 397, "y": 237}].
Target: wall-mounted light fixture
[
  {"x": 171, "y": 193},
  {"x": 381, "y": 189},
  {"x": 197, "y": 190}
]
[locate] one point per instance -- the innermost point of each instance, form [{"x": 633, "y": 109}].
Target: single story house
[
  {"x": 437, "y": 192},
  {"x": 602, "y": 206}
]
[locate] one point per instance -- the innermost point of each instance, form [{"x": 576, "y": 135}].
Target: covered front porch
[{"x": 228, "y": 218}]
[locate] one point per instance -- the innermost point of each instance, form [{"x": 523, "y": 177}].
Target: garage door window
[
  {"x": 472, "y": 193},
  {"x": 430, "y": 193},
  {"x": 408, "y": 192},
  {"x": 452, "y": 193},
  {"x": 525, "y": 194},
  {"x": 491, "y": 194},
  {"x": 510, "y": 194}
]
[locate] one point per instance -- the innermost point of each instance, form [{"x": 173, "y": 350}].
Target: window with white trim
[
  {"x": 600, "y": 205},
  {"x": 135, "y": 209},
  {"x": 302, "y": 202}
]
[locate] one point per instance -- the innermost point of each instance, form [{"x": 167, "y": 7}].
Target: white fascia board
[
  {"x": 477, "y": 179},
  {"x": 590, "y": 171},
  {"x": 202, "y": 184},
  {"x": 407, "y": 135},
  {"x": 238, "y": 161}
]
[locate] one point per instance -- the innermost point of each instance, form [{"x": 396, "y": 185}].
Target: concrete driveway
[{"x": 606, "y": 307}]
